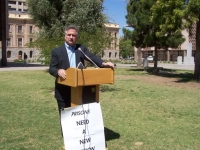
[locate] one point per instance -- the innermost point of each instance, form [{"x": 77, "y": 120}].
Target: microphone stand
[{"x": 88, "y": 58}]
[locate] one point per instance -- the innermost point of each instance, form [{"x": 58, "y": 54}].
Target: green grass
[{"x": 137, "y": 115}]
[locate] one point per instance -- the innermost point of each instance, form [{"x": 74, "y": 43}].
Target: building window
[
  {"x": 193, "y": 53},
  {"x": 30, "y": 29},
  {"x": 115, "y": 54},
  {"x": 19, "y": 29},
  {"x": 109, "y": 54},
  {"x": 180, "y": 53},
  {"x": 8, "y": 54},
  {"x": 31, "y": 54},
  {"x": 9, "y": 28},
  {"x": 115, "y": 46},
  {"x": 20, "y": 3},
  {"x": 20, "y": 55},
  {"x": 11, "y": 9},
  {"x": 11, "y": 2},
  {"x": 19, "y": 42},
  {"x": 31, "y": 40},
  {"x": 8, "y": 42}
]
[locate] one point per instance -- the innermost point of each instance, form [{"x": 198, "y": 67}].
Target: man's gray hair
[{"x": 72, "y": 27}]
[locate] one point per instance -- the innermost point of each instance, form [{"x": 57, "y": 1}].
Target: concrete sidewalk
[
  {"x": 163, "y": 65},
  {"x": 174, "y": 66},
  {"x": 12, "y": 66}
]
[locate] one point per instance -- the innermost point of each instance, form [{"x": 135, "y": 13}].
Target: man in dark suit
[{"x": 69, "y": 55}]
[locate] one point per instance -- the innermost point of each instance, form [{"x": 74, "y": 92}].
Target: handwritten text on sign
[{"x": 83, "y": 127}]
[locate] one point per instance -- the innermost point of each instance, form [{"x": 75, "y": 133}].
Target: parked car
[{"x": 150, "y": 58}]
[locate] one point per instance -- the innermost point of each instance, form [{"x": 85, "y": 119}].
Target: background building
[
  {"x": 21, "y": 32},
  {"x": 172, "y": 54},
  {"x": 17, "y": 5},
  {"x": 112, "y": 52}
]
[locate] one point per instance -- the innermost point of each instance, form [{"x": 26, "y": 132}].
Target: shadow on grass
[
  {"x": 110, "y": 134},
  {"x": 181, "y": 75}
]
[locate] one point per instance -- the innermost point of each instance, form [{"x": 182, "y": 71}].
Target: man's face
[{"x": 71, "y": 37}]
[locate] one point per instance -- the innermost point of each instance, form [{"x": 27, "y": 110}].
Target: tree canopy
[
  {"x": 52, "y": 16},
  {"x": 175, "y": 16},
  {"x": 125, "y": 45},
  {"x": 147, "y": 31}
]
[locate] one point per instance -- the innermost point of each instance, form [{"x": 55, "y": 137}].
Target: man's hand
[
  {"x": 108, "y": 64},
  {"x": 62, "y": 73}
]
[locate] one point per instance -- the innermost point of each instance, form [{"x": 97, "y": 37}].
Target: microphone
[{"x": 87, "y": 57}]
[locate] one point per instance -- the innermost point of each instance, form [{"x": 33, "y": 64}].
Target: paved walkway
[
  {"x": 164, "y": 65},
  {"x": 11, "y": 66}
]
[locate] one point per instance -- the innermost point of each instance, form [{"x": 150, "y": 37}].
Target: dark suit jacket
[{"x": 59, "y": 60}]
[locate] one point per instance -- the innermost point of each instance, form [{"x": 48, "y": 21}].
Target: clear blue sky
[{"x": 116, "y": 11}]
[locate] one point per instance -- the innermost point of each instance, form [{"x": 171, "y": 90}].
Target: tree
[
  {"x": 145, "y": 33},
  {"x": 138, "y": 18},
  {"x": 178, "y": 15},
  {"x": 126, "y": 48},
  {"x": 96, "y": 42},
  {"x": 126, "y": 44},
  {"x": 52, "y": 16}
]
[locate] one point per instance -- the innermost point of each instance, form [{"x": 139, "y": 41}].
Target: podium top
[{"x": 90, "y": 76}]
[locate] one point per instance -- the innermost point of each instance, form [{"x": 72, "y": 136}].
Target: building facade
[
  {"x": 17, "y": 5},
  {"x": 23, "y": 31},
  {"x": 171, "y": 54},
  {"x": 112, "y": 52}
]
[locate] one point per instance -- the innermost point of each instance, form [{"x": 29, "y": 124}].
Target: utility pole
[{"x": 3, "y": 30}]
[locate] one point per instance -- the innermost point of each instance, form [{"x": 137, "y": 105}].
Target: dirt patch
[{"x": 159, "y": 80}]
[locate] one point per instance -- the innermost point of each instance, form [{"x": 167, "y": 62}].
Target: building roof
[{"x": 112, "y": 25}]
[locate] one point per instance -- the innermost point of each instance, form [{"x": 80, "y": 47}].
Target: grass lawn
[{"x": 140, "y": 111}]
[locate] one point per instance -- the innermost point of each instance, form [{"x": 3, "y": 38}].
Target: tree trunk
[
  {"x": 155, "y": 70},
  {"x": 139, "y": 57},
  {"x": 197, "y": 53}
]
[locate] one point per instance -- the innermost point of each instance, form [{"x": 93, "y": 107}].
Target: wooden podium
[{"x": 85, "y": 83}]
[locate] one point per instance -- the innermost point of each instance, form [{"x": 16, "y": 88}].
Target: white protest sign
[{"x": 83, "y": 127}]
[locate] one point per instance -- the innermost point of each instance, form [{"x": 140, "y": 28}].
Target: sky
[{"x": 116, "y": 11}]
